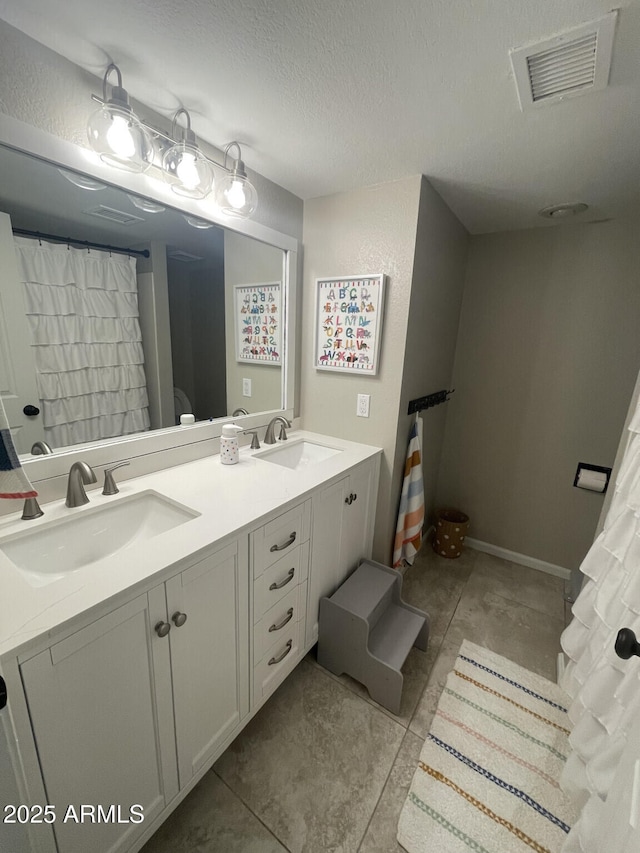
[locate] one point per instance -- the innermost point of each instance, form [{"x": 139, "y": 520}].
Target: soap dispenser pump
[{"x": 229, "y": 450}]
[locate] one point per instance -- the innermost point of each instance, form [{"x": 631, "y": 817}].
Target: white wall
[{"x": 546, "y": 362}]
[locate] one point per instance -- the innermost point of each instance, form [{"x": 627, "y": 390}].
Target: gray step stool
[{"x": 366, "y": 630}]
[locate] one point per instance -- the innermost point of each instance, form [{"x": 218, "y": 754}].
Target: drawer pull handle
[
  {"x": 286, "y": 619},
  {"x": 179, "y": 619},
  {"x": 273, "y": 661},
  {"x": 162, "y": 628},
  {"x": 287, "y": 580},
  {"x": 290, "y": 541}
]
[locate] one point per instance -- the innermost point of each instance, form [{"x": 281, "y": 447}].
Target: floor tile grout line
[
  {"x": 382, "y": 790},
  {"x": 250, "y": 810}
]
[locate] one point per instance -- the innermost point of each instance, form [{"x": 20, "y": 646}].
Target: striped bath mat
[{"x": 487, "y": 778}]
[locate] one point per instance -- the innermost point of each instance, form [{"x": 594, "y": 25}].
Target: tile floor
[{"x": 322, "y": 767}]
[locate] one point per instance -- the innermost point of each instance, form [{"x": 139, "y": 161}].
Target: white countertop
[{"x": 229, "y": 498}]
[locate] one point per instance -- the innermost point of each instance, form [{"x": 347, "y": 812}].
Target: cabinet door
[
  {"x": 357, "y": 525},
  {"x": 209, "y": 655},
  {"x": 325, "y": 568},
  {"x": 100, "y": 739}
]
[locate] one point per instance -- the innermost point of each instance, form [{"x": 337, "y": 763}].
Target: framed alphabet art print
[
  {"x": 258, "y": 323},
  {"x": 349, "y": 323}
]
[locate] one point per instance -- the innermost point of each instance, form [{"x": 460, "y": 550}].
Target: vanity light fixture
[
  {"x": 116, "y": 133},
  {"x": 184, "y": 167},
  {"x": 126, "y": 142},
  {"x": 236, "y": 196}
]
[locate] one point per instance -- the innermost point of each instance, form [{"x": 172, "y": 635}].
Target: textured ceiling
[{"x": 328, "y": 95}]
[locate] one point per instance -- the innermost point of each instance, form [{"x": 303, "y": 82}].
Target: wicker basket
[{"x": 451, "y": 529}]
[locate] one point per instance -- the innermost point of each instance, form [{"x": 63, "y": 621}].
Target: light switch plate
[{"x": 246, "y": 387}]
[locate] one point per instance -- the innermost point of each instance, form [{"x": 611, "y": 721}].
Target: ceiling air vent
[
  {"x": 570, "y": 64},
  {"x": 113, "y": 215}
]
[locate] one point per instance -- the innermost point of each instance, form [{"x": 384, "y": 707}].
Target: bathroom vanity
[{"x": 128, "y": 676}]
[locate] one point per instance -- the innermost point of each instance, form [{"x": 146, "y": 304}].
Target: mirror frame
[{"x": 30, "y": 140}]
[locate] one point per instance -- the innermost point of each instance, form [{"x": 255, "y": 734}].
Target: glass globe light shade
[
  {"x": 187, "y": 171},
  {"x": 236, "y": 196},
  {"x": 120, "y": 139}
]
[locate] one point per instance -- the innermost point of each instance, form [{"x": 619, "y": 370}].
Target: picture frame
[
  {"x": 348, "y": 323},
  {"x": 258, "y": 322}
]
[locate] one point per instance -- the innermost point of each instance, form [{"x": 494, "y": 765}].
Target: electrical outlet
[
  {"x": 246, "y": 387},
  {"x": 362, "y": 410}
]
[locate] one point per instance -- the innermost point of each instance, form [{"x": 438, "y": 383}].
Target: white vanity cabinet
[
  {"x": 342, "y": 535},
  {"x": 121, "y": 706},
  {"x": 126, "y": 710}
]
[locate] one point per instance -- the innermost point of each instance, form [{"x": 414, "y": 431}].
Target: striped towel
[
  {"x": 13, "y": 481},
  {"x": 411, "y": 512},
  {"x": 488, "y": 775}
]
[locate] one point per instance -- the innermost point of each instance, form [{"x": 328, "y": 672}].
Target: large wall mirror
[{"x": 191, "y": 320}]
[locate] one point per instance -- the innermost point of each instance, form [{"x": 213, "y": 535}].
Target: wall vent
[
  {"x": 113, "y": 215},
  {"x": 181, "y": 255},
  {"x": 573, "y": 63}
]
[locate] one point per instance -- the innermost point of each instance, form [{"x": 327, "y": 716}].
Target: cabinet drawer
[
  {"x": 279, "y": 579},
  {"x": 278, "y": 537},
  {"x": 278, "y": 661},
  {"x": 278, "y": 620}
]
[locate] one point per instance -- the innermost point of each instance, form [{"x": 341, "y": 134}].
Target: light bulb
[
  {"x": 119, "y": 137},
  {"x": 236, "y": 196},
  {"x": 187, "y": 171}
]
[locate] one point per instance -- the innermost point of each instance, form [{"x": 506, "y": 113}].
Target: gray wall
[
  {"x": 546, "y": 362},
  {"x": 434, "y": 314},
  {"x": 405, "y": 230}
]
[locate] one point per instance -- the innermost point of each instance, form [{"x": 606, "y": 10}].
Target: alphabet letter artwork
[
  {"x": 349, "y": 323},
  {"x": 258, "y": 322}
]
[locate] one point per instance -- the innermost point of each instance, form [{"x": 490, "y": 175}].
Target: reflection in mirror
[{"x": 104, "y": 343}]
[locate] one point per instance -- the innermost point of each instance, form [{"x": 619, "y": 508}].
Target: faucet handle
[
  {"x": 255, "y": 441},
  {"x": 110, "y": 487},
  {"x": 283, "y": 433}
]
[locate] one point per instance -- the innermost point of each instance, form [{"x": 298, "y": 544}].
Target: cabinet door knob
[
  {"x": 179, "y": 619},
  {"x": 31, "y": 411},
  {"x": 3, "y": 693},
  {"x": 162, "y": 628},
  {"x": 349, "y": 500},
  {"x": 355, "y": 496}
]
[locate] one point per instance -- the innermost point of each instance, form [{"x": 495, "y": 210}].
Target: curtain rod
[{"x": 22, "y": 232}]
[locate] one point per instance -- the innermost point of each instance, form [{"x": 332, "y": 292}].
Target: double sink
[{"x": 53, "y": 550}]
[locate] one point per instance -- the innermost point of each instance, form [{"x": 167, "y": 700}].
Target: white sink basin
[
  {"x": 51, "y": 551},
  {"x": 298, "y": 454}
]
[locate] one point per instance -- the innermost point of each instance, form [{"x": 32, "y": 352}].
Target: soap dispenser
[{"x": 229, "y": 450}]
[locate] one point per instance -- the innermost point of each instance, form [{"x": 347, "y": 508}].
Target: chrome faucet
[
  {"x": 80, "y": 474},
  {"x": 269, "y": 436},
  {"x": 40, "y": 448}
]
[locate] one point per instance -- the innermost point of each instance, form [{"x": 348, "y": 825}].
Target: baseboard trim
[{"x": 521, "y": 559}]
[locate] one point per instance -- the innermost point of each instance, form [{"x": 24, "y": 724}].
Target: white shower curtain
[
  {"x": 605, "y": 690},
  {"x": 82, "y": 308}
]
